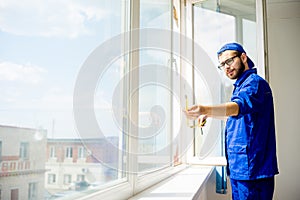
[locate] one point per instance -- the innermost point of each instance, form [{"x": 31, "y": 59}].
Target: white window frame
[
  {"x": 69, "y": 152},
  {"x": 143, "y": 180},
  {"x": 134, "y": 183},
  {"x": 261, "y": 61}
]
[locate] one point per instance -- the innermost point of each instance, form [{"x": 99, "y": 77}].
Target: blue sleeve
[{"x": 249, "y": 97}]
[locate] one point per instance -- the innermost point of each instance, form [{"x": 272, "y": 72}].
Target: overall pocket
[{"x": 238, "y": 160}]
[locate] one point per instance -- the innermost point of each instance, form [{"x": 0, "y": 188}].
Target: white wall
[{"x": 284, "y": 68}]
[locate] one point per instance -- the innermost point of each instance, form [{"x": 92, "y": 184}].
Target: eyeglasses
[{"x": 228, "y": 62}]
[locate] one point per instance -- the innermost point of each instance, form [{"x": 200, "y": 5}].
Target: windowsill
[
  {"x": 185, "y": 185},
  {"x": 209, "y": 161},
  {"x": 184, "y": 182}
]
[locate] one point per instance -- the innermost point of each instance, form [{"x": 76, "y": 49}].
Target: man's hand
[{"x": 192, "y": 112}]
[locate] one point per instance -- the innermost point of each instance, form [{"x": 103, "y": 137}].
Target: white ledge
[
  {"x": 185, "y": 185},
  {"x": 210, "y": 161}
]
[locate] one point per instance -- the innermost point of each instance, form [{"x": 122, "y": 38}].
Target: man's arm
[
  {"x": 222, "y": 110},
  {"x": 215, "y": 111}
]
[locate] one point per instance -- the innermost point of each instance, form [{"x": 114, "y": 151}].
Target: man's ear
[{"x": 244, "y": 58}]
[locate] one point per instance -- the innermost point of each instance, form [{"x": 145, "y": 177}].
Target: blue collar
[{"x": 244, "y": 75}]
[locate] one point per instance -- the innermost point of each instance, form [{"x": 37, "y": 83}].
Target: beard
[{"x": 240, "y": 70}]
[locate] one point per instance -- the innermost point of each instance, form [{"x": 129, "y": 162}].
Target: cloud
[
  {"x": 27, "y": 73},
  {"x": 48, "y": 18},
  {"x": 56, "y": 98}
]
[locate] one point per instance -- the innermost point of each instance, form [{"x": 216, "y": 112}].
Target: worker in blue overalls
[{"x": 250, "y": 131}]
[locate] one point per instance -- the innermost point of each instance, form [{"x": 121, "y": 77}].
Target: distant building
[
  {"x": 22, "y": 162},
  {"x": 74, "y": 160}
]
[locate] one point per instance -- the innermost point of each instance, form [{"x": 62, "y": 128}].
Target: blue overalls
[{"x": 250, "y": 136}]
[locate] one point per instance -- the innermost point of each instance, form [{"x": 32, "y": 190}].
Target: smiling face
[{"x": 233, "y": 63}]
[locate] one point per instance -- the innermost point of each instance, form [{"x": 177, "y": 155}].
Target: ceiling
[{"x": 238, "y": 8}]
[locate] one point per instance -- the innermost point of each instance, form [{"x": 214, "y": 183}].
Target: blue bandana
[{"x": 236, "y": 47}]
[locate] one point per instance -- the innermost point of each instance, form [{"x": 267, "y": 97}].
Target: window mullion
[{"x": 133, "y": 93}]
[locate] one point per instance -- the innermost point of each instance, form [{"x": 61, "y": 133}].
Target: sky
[{"x": 43, "y": 44}]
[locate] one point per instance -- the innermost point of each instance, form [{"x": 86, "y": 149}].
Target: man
[{"x": 250, "y": 131}]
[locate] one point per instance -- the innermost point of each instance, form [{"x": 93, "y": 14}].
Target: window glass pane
[
  {"x": 249, "y": 27},
  {"x": 52, "y": 152},
  {"x": 154, "y": 96},
  {"x": 32, "y": 191},
  {"x": 42, "y": 53},
  {"x": 217, "y": 23},
  {"x": 51, "y": 178},
  {"x": 24, "y": 150},
  {"x": 67, "y": 179},
  {"x": 81, "y": 152},
  {"x": 69, "y": 152}
]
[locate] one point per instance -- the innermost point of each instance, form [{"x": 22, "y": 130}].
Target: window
[
  {"x": 52, "y": 152},
  {"x": 32, "y": 191},
  {"x": 215, "y": 25},
  {"x": 67, "y": 179},
  {"x": 80, "y": 177},
  {"x": 112, "y": 105},
  {"x": 154, "y": 94},
  {"x": 51, "y": 178},
  {"x": 69, "y": 152},
  {"x": 39, "y": 83},
  {"x": 81, "y": 152},
  {"x": 24, "y": 150}
]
